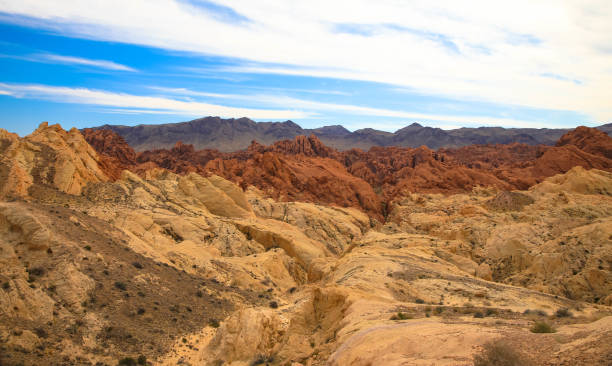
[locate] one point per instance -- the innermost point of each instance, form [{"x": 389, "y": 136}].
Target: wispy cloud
[
  {"x": 218, "y": 11},
  {"x": 148, "y": 103},
  {"x": 71, "y": 60},
  {"x": 316, "y": 107}
]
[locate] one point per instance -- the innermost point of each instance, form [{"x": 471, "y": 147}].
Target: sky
[{"x": 381, "y": 64}]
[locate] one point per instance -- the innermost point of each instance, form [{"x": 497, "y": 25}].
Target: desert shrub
[
  {"x": 6, "y": 285},
  {"x": 141, "y": 311},
  {"x": 542, "y": 327},
  {"x": 478, "y": 314},
  {"x": 87, "y": 247},
  {"x": 419, "y": 301},
  {"x": 41, "y": 332},
  {"x": 121, "y": 286},
  {"x": 273, "y": 304},
  {"x": 438, "y": 310},
  {"x": 36, "y": 271},
  {"x": 213, "y": 323},
  {"x": 535, "y": 312},
  {"x": 199, "y": 293},
  {"x": 261, "y": 359},
  {"x": 127, "y": 361},
  {"x": 137, "y": 265},
  {"x": 490, "y": 312},
  {"x": 563, "y": 313},
  {"x": 401, "y": 316},
  {"x": 499, "y": 353},
  {"x": 142, "y": 360}
]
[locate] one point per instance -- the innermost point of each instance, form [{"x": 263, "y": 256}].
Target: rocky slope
[
  {"x": 229, "y": 135},
  {"x": 166, "y": 269}
]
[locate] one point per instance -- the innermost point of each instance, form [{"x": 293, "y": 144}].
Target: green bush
[{"x": 542, "y": 327}]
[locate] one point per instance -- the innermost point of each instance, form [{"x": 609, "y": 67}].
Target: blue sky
[{"x": 383, "y": 64}]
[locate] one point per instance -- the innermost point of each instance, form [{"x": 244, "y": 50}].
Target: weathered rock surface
[{"x": 49, "y": 156}]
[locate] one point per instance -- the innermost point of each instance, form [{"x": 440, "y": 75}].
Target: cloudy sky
[{"x": 360, "y": 63}]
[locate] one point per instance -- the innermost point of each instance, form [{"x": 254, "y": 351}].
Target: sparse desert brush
[
  {"x": 542, "y": 327},
  {"x": 127, "y": 361},
  {"x": 213, "y": 323},
  {"x": 400, "y": 316},
  {"x": 500, "y": 353},
  {"x": 261, "y": 360},
  {"x": 563, "y": 313},
  {"x": 535, "y": 313}
]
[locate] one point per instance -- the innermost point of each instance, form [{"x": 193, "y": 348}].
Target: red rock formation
[
  {"x": 299, "y": 178},
  {"x": 181, "y": 159},
  {"x": 587, "y": 139},
  {"x": 115, "y": 154},
  {"x": 109, "y": 143},
  {"x": 304, "y": 169}
]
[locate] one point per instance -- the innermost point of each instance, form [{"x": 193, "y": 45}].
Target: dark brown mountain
[{"x": 229, "y": 135}]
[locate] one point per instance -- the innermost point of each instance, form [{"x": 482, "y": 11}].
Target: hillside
[{"x": 111, "y": 257}]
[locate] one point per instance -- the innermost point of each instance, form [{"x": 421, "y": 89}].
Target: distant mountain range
[{"x": 236, "y": 134}]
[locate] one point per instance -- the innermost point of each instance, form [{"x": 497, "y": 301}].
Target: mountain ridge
[{"x": 228, "y": 135}]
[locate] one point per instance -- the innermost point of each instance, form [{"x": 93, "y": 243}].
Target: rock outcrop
[{"x": 50, "y": 156}]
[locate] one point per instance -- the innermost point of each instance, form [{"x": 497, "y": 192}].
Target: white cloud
[
  {"x": 504, "y": 48},
  {"x": 130, "y": 101},
  {"x": 69, "y": 60},
  {"x": 103, "y": 64},
  {"x": 318, "y": 107},
  {"x": 122, "y": 103}
]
